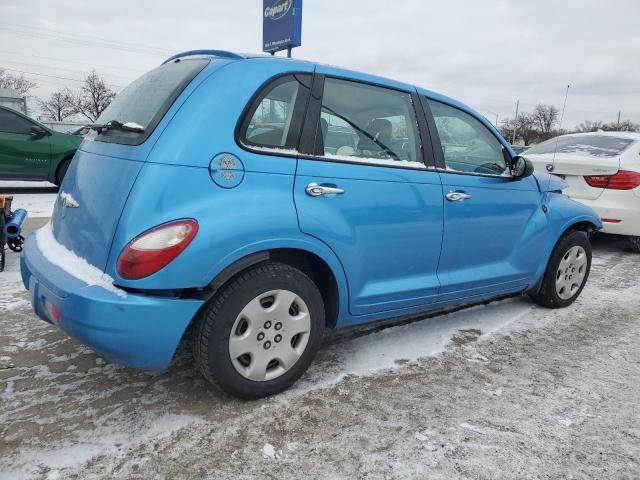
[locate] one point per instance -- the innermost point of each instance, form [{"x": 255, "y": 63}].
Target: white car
[{"x": 602, "y": 170}]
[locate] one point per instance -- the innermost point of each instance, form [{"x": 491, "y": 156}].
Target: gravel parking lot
[{"x": 508, "y": 390}]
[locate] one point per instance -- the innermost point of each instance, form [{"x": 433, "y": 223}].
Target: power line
[
  {"x": 79, "y": 40},
  {"x": 57, "y": 77},
  {"x": 62, "y": 68},
  {"x": 83, "y": 37},
  {"x": 29, "y": 54},
  {"x": 67, "y": 34}
]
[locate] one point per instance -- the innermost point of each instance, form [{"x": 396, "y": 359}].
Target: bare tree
[
  {"x": 507, "y": 127},
  {"x": 545, "y": 117},
  {"x": 624, "y": 126},
  {"x": 58, "y": 106},
  {"x": 16, "y": 82},
  {"x": 589, "y": 126},
  {"x": 93, "y": 98},
  {"x": 525, "y": 127}
]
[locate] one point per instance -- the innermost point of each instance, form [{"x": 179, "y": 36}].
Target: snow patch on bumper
[{"x": 76, "y": 266}]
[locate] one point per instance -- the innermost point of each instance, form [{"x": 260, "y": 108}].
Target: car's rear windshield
[
  {"x": 584, "y": 145},
  {"x": 145, "y": 101}
]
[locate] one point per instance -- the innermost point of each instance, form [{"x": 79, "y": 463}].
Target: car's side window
[
  {"x": 275, "y": 117},
  {"x": 369, "y": 124},
  {"x": 12, "y": 123},
  {"x": 467, "y": 145}
]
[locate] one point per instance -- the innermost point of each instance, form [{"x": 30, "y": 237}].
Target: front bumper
[{"x": 134, "y": 330}]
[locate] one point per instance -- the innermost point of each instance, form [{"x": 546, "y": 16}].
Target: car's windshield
[
  {"x": 145, "y": 101},
  {"x": 584, "y": 145}
]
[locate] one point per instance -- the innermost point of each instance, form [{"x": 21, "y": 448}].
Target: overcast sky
[{"x": 484, "y": 53}]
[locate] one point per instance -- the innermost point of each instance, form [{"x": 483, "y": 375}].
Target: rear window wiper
[{"x": 116, "y": 125}]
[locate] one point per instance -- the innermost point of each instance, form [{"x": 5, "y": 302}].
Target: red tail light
[
  {"x": 155, "y": 249},
  {"x": 623, "y": 180},
  {"x": 597, "y": 181}
]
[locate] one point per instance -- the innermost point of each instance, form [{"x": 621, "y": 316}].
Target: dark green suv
[{"x": 31, "y": 151}]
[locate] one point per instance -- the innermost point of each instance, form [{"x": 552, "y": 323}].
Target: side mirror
[
  {"x": 522, "y": 167},
  {"x": 37, "y": 131}
]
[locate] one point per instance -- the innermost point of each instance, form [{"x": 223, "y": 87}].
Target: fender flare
[
  {"x": 578, "y": 214},
  {"x": 257, "y": 252}
]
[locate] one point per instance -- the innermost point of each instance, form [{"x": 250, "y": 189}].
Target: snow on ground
[
  {"x": 466, "y": 392},
  {"x": 394, "y": 347},
  {"x": 37, "y": 198},
  {"x": 88, "y": 444},
  {"x": 12, "y": 184},
  {"x": 36, "y": 205}
]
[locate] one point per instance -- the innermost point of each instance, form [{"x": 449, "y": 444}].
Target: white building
[{"x": 10, "y": 98}]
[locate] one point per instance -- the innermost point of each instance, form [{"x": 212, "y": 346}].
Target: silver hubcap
[
  {"x": 571, "y": 272},
  {"x": 270, "y": 335}
]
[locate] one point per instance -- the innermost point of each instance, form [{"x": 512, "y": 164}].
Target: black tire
[
  {"x": 548, "y": 296},
  {"x": 215, "y": 321},
  {"x": 62, "y": 171},
  {"x": 634, "y": 244}
]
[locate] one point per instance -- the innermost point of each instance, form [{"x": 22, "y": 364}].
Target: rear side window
[
  {"x": 274, "y": 118},
  {"x": 584, "y": 145},
  {"x": 467, "y": 145},
  {"x": 369, "y": 124},
  {"x": 145, "y": 101},
  {"x": 12, "y": 123}
]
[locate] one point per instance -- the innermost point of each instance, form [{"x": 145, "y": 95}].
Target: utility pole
[
  {"x": 515, "y": 127},
  {"x": 493, "y": 113},
  {"x": 619, "y": 112}
]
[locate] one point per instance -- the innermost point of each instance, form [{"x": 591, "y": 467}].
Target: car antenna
[{"x": 564, "y": 106}]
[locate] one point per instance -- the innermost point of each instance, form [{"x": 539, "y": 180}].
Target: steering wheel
[{"x": 493, "y": 167}]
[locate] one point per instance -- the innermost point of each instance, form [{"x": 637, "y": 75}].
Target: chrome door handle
[
  {"x": 457, "y": 196},
  {"x": 316, "y": 190}
]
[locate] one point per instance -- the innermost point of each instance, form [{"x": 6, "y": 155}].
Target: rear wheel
[
  {"x": 567, "y": 272},
  {"x": 634, "y": 244},
  {"x": 62, "y": 171},
  {"x": 260, "y": 332}
]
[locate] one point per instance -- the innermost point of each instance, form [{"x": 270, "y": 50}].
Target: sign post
[{"x": 281, "y": 25}]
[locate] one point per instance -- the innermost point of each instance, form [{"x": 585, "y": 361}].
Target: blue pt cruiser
[{"x": 259, "y": 201}]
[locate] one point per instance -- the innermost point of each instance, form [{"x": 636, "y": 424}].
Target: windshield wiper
[{"x": 116, "y": 125}]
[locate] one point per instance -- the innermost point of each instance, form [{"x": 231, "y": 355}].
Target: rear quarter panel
[
  {"x": 175, "y": 182},
  {"x": 257, "y": 215}
]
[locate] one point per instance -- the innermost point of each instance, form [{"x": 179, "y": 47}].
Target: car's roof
[
  {"x": 338, "y": 70},
  {"x": 343, "y": 72}
]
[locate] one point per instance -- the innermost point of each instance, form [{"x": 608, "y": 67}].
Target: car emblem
[{"x": 550, "y": 167}]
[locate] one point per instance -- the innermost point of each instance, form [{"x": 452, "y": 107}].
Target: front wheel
[
  {"x": 567, "y": 272},
  {"x": 260, "y": 332}
]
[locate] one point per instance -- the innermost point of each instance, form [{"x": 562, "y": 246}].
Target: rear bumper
[
  {"x": 133, "y": 330},
  {"x": 622, "y": 206}
]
